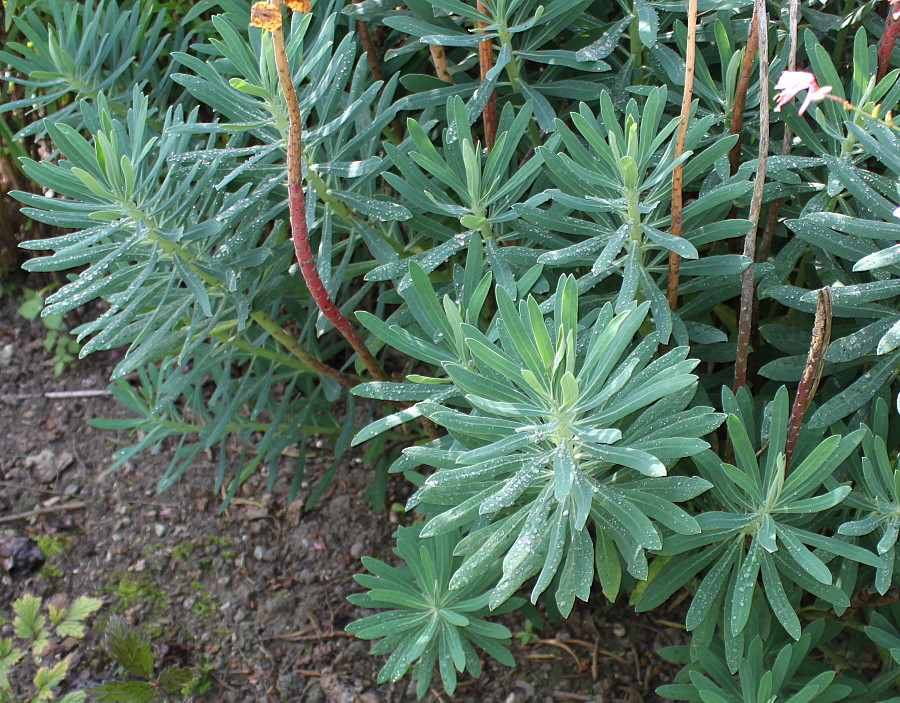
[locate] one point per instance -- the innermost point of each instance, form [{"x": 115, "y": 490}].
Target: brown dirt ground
[{"x": 256, "y": 595}]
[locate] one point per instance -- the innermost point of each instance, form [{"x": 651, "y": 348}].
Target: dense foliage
[{"x": 495, "y": 194}]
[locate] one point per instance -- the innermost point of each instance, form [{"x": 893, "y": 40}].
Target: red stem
[
  {"x": 486, "y": 63},
  {"x": 297, "y": 209},
  {"x": 740, "y": 93},
  {"x": 887, "y": 41}
]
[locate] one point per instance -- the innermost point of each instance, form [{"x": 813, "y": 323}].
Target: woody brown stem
[
  {"x": 486, "y": 63},
  {"x": 297, "y": 210},
  {"x": 372, "y": 58},
  {"x": 439, "y": 56},
  {"x": 812, "y": 371},
  {"x": 677, "y": 174},
  {"x": 740, "y": 93},
  {"x": 748, "y": 291},
  {"x": 769, "y": 232}
]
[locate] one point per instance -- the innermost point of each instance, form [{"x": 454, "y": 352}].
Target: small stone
[
  {"x": 47, "y": 464},
  {"x": 259, "y": 552},
  {"x": 293, "y": 512},
  {"x": 619, "y": 629},
  {"x": 357, "y": 550},
  {"x": 290, "y": 685},
  {"x": 159, "y": 529},
  {"x": 6, "y": 355},
  {"x": 20, "y": 556},
  {"x": 315, "y": 694}
]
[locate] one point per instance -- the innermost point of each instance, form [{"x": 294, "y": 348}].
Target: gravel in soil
[{"x": 255, "y": 595}]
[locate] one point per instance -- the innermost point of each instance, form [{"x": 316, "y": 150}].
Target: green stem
[
  {"x": 515, "y": 77},
  {"x": 637, "y": 49},
  {"x": 841, "y": 40},
  {"x": 295, "y": 348}
]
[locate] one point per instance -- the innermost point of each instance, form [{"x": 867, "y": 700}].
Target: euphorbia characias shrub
[{"x": 627, "y": 329}]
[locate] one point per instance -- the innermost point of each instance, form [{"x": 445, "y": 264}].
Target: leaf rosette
[
  {"x": 767, "y": 528},
  {"x": 424, "y": 621},
  {"x": 570, "y": 426}
]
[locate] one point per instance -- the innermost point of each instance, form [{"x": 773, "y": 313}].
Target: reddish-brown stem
[
  {"x": 740, "y": 92},
  {"x": 786, "y": 144},
  {"x": 677, "y": 174},
  {"x": 748, "y": 291},
  {"x": 812, "y": 371},
  {"x": 486, "y": 63},
  {"x": 297, "y": 209},
  {"x": 439, "y": 56},
  {"x": 888, "y": 39},
  {"x": 372, "y": 58}
]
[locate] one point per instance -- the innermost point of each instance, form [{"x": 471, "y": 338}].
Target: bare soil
[{"x": 254, "y": 595}]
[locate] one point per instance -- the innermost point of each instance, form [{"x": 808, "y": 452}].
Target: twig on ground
[
  {"x": 58, "y": 395},
  {"x": 296, "y": 637},
  {"x": 43, "y": 511}
]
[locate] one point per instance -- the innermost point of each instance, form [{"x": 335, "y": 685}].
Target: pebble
[
  {"x": 159, "y": 529},
  {"x": 259, "y": 552},
  {"x": 6, "y": 355},
  {"x": 358, "y": 549}
]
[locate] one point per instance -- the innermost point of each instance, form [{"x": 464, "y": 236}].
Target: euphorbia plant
[{"x": 501, "y": 225}]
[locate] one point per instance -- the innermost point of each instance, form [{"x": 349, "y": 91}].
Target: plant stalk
[
  {"x": 812, "y": 371},
  {"x": 740, "y": 91},
  {"x": 372, "y": 58},
  {"x": 787, "y": 143},
  {"x": 678, "y": 173},
  {"x": 297, "y": 209},
  {"x": 295, "y": 348},
  {"x": 486, "y": 63},
  {"x": 887, "y": 41},
  {"x": 439, "y": 56},
  {"x": 745, "y": 315}
]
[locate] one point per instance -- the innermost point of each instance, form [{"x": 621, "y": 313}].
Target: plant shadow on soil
[{"x": 255, "y": 596}]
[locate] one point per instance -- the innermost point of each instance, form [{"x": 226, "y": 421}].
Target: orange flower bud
[
  {"x": 265, "y": 15},
  {"x": 298, "y": 5}
]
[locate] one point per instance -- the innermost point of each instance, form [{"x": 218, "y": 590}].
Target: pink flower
[{"x": 792, "y": 82}]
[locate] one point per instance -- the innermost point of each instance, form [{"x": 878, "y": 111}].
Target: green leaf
[
  {"x": 125, "y": 692},
  {"x": 648, "y": 23},
  {"x": 781, "y": 606},
  {"x": 744, "y": 585},
  {"x": 126, "y": 647},
  {"x": 383, "y": 210},
  {"x": 709, "y": 590},
  {"x": 857, "y": 393},
  {"x": 72, "y": 624}
]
